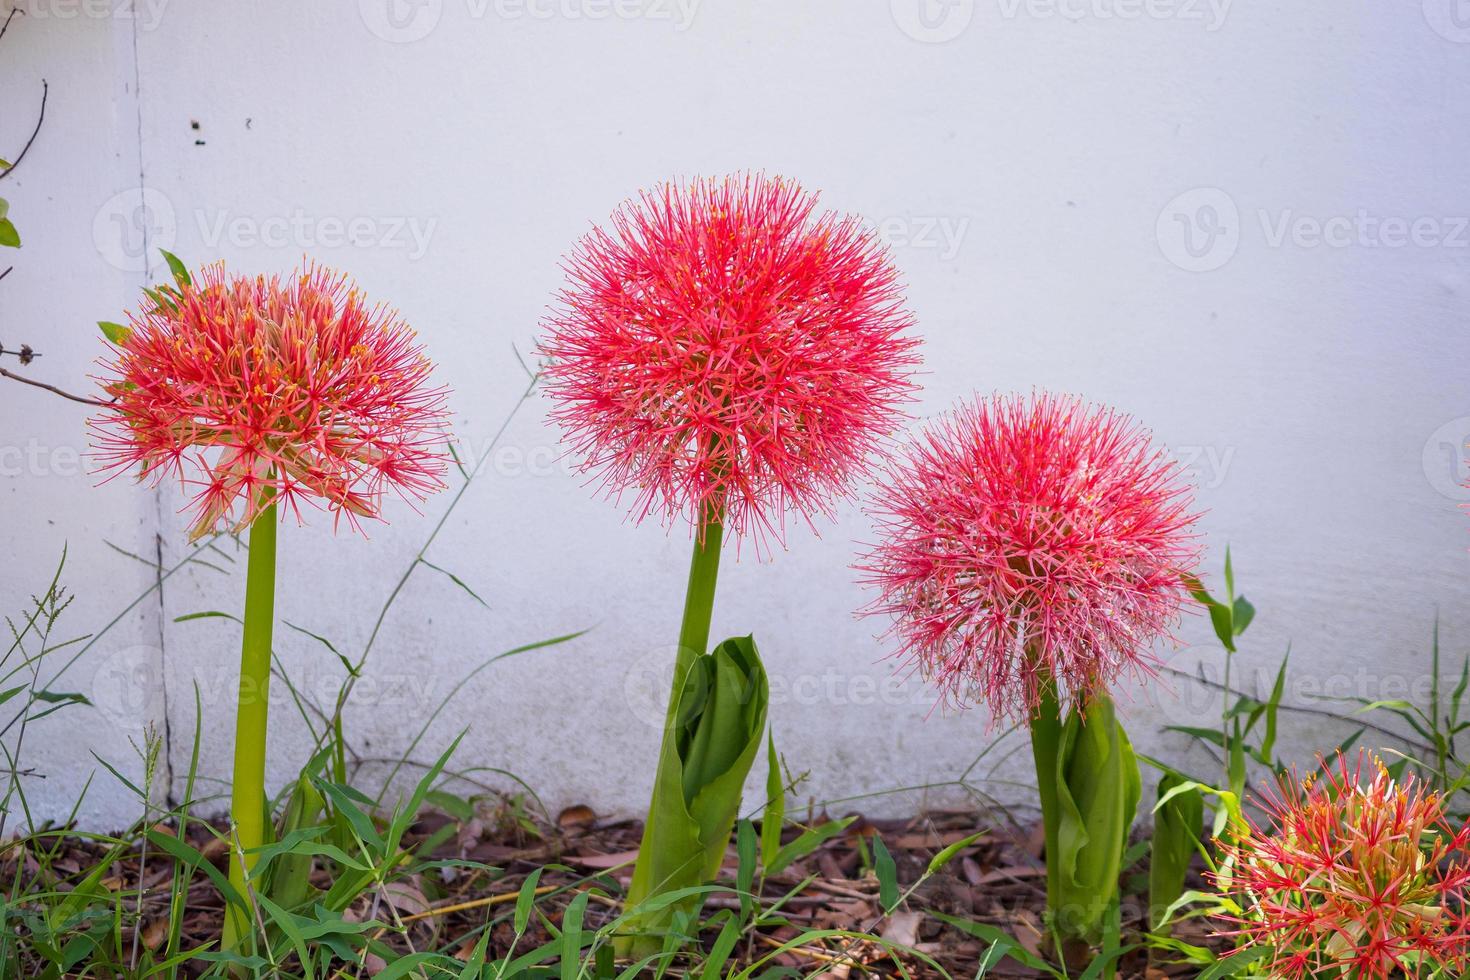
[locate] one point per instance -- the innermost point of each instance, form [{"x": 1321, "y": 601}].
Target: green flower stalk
[
  {"x": 726, "y": 355},
  {"x": 260, "y": 394},
  {"x": 247, "y": 795},
  {"x": 1032, "y": 549}
]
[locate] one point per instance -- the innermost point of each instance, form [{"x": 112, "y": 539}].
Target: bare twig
[
  {"x": 6, "y": 26},
  {"x": 85, "y": 400},
  {"x": 40, "y": 118}
]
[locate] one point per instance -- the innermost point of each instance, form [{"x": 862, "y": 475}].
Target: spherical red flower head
[
  {"x": 1030, "y": 544},
  {"x": 255, "y": 390},
  {"x": 1352, "y": 879},
  {"x": 721, "y": 346}
]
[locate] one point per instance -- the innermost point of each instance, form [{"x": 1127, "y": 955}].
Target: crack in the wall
[{"x": 158, "y": 514}]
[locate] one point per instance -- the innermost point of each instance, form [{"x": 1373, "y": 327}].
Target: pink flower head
[
  {"x": 721, "y": 346},
  {"x": 1353, "y": 880},
  {"x": 255, "y": 390},
  {"x": 1029, "y": 544}
]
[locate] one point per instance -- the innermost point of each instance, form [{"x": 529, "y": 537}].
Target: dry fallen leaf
[
  {"x": 902, "y": 928},
  {"x": 575, "y": 819},
  {"x": 155, "y": 933},
  {"x": 602, "y": 860}
]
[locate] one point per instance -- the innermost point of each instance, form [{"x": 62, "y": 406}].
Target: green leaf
[
  {"x": 723, "y": 947},
  {"x": 719, "y": 716},
  {"x": 947, "y": 855},
  {"x": 186, "y": 854},
  {"x": 1220, "y": 619},
  {"x": 526, "y": 901},
  {"x": 456, "y": 580},
  {"x": 211, "y": 614},
  {"x": 775, "y": 813},
  {"x": 346, "y": 808},
  {"x": 346, "y": 664},
  {"x": 1241, "y": 614},
  {"x": 745, "y": 870},
  {"x": 1098, "y": 788},
  {"x": 180, "y": 273},
  {"x": 571, "y": 937},
  {"x": 405, "y": 965},
  {"x": 887, "y": 872},
  {"x": 115, "y": 332},
  {"x": 68, "y": 697},
  {"x": 1001, "y": 939},
  {"x": 9, "y": 236},
  {"x": 808, "y": 842},
  {"x": 1235, "y": 964},
  {"x": 1178, "y": 825},
  {"x": 1268, "y": 744},
  {"x": 474, "y": 966}
]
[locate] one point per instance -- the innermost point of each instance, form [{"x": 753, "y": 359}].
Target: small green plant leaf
[
  {"x": 175, "y": 266},
  {"x": 526, "y": 901},
  {"x": 807, "y": 842},
  {"x": 115, "y": 333},
  {"x": 775, "y": 812},
  {"x": 887, "y": 873},
  {"x": 948, "y": 854}
]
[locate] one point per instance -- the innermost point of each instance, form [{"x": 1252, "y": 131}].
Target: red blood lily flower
[
  {"x": 1030, "y": 541},
  {"x": 254, "y": 389},
  {"x": 1351, "y": 879},
  {"x": 720, "y": 345}
]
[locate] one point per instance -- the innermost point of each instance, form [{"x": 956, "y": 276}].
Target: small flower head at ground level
[
  {"x": 1030, "y": 543},
  {"x": 1356, "y": 875},
  {"x": 720, "y": 344},
  {"x": 255, "y": 390}
]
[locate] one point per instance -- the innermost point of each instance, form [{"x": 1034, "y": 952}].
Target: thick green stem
[
  {"x": 699, "y": 598},
  {"x": 1046, "y": 738},
  {"x": 247, "y": 802},
  {"x": 699, "y": 602}
]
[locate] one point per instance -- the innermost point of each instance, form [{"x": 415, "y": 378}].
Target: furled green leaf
[
  {"x": 718, "y": 719},
  {"x": 9, "y": 236},
  {"x": 1178, "y": 825},
  {"x": 1098, "y": 789}
]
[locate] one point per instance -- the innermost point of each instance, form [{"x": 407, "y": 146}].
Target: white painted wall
[{"x": 1064, "y": 146}]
